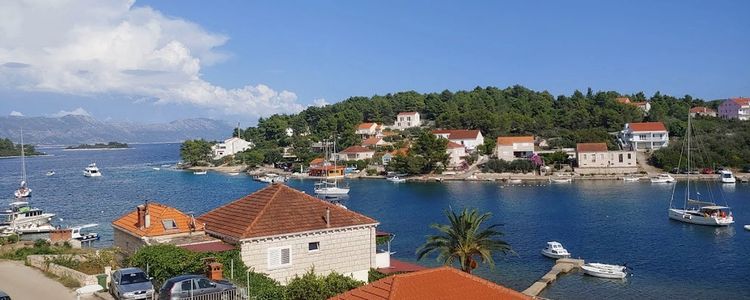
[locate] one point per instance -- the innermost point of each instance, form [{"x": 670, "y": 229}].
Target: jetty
[{"x": 562, "y": 266}]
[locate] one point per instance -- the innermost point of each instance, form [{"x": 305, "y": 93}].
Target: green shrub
[
  {"x": 166, "y": 261},
  {"x": 314, "y": 287}
]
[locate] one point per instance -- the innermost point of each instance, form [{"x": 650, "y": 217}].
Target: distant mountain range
[{"x": 76, "y": 129}]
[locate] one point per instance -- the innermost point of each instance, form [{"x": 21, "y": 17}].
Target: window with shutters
[{"x": 279, "y": 257}]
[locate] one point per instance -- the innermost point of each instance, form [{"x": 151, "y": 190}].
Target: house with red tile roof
[
  {"x": 355, "y": 153},
  {"x": 470, "y": 139},
  {"x": 368, "y": 129},
  {"x": 375, "y": 142},
  {"x": 510, "y": 148},
  {"x": 456, "y": 154},
  {"x": 407, "y": 119},
  {"x": 595, "y": 158},
  {"x": 155, "y": 223},
  {"x": 439, "y": 283},
  {"x": 702, "y": 111},
  {"x": 645, "y": 106},
  {"x": 735, "y": 108},
  {"x": 284, "y": 232},
  {"x": 644, "y": 136}
]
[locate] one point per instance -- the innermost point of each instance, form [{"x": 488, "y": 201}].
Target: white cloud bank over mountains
[
  {"x": 92, "y": 47},
  {"x": 76, "y": 112}
]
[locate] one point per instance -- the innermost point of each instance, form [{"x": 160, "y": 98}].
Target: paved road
[{"x": 22, "y": 282}]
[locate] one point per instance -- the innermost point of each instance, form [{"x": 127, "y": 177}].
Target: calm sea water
[{"x": 611, "y": 222}]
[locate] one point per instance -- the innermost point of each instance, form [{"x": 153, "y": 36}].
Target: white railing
[{"x": 236, "y": 294}]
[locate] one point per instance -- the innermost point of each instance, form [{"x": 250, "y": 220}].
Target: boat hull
[
  {"x": 603, "y": 272},
  {"x": 553, "y": 255},
  {"x": 332, "y": 191},
  {"x": 687, "y": 217}
]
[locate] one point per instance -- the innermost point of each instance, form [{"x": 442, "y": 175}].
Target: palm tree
[{"x": 464, "y": 240}]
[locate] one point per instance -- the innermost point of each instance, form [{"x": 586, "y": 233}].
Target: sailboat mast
[
  {"x": 687, "y": 188},
  {"x": 23, "y": 159}
]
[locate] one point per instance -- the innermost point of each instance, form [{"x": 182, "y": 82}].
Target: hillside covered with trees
[{"x": 8, "y": 148}]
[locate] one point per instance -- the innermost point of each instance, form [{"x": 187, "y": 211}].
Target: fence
[{"x": 235, "y": 294}]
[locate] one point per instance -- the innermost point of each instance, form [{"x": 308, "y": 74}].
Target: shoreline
[{"x": 96, "y": 149}]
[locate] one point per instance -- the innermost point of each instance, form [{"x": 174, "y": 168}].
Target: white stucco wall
[{"x": 349, "y": 251}]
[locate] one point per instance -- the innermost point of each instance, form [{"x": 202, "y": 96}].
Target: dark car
[
  {"x": 131, "y": 283},
  {"x": 4, "y": 296},
  {"x": 185, "y": 286}
]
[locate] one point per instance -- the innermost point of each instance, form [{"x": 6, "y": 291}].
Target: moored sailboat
[{"x": 23, "y": 190}]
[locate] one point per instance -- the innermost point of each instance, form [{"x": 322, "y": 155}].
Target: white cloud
[
  {"x": 76, "y": 112},
  {"x": 320, "y": 102},
  {"x": 93, "y": 47},
  {"x": 16, "y": 114}
]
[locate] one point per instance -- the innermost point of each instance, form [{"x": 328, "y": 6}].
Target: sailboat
[
  {"x": 330, "y": 188},
  {"x": 696, "y": 211},
  {"x": 23, "y": 191}
]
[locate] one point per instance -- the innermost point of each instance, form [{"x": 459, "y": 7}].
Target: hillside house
[
  {"x": 702, "y": 112},
  {"x": 645, "y": 106},
  {"x": 510, "y": 148},
  {"x": 366, "y": 130},
  {"x": 406, "y": 120},
  {"x": 355, "y": 153},
  {"x": 644, "y": 136},
  {"x": 594, "y": 158},
  {"x": 230, "y": 146},
  {"x": 470, "y": 139},
  {"x": 456, "y": 154},
  {"x": 735, "y": 108}
]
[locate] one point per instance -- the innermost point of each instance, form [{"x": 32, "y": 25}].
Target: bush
[
  {"x": 313, "y": 287},
  {"x": 166, "y": 261},
  {"x": 263, "y": 287},
  {"x": 372, "y": 172}
]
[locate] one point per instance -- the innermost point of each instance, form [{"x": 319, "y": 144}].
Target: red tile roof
[
  {"x": 356, "y": 149},
  {"x": 741, "y": 101},
  {"x": 591, "y": 147},
  {"x": 317, "y": 161},
  {"x": 452, "y": 145},
  {"x": 510, "y": 140},
  {"x": 400, "y": 151},
  {"x": 157, "y": 213},
  {"x": 276, "y": 210},
  {"x": 438, "y": 283},
  {"x": 398, "y": 266},
  {"x": 647, "y": 126},
  {"x": 371, "y": 141},
  {"x": 458, "y": 134},
  {"x": 701, "y": 109},
  {"x": 366, "y": 125},
  {"x": 215, "y": 246},
  {"x": 624, "y": 100},
  {"x": 407, "y": 113}
]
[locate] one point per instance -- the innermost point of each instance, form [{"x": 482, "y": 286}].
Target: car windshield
[{"x": 133, "y": 278}]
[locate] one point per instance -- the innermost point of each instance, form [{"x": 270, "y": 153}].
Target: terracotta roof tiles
[
  {"x": 366, "y": 125},
  {"x": 647, "y": 126},
  {"x": 157, "y": 213},
  {"x": 276, "y": 210},
  {"x": 510, "y": 140},
  {"x": 438, "y": 283},
  {"x": 591, "y": 147},
  {"x": 407, "y": 113},
  {"x": 458, "y": 134},
  {"x": 356, "y": 149}
]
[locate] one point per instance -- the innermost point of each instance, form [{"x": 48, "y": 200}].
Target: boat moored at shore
[
  {"x": 726, "y": 176},
  {"x": 605, "y": 270},
  {"x": 663, "y": 178},
  {"x": 555, "y": 250}
]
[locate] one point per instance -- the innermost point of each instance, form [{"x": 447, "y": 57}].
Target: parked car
[
  {"x": 707, "y": 171},
  {"x": 4, "y": 296},
  {"x": 746, "y": 169},
  {"x": 131, "y": 283},
  {"x": 185, "y": 286}
]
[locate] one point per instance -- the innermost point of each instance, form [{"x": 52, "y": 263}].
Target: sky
[{"x": 155, "y": 61}]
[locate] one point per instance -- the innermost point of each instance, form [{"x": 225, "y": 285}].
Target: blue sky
[{"x": 331, "y": 50}]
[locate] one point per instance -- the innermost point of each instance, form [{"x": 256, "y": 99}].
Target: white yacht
[
  {"x": 726, "y": 176},
  {"x": 396, "y": 179},
  {"x": 330, "y": 188},
  {"x": 555, "y": 250},
  {"x": 694, "y": 210},
  {"x": 560, "y": 179},
  {"x": 92, "y": 171},
  {"x": 22, "y": 218},
  {"x": 605, "y": 270},
  {"x": 631, "y": 179},
  {"x": 204, "y": 172},
  {"x": 663, "y": 178}
]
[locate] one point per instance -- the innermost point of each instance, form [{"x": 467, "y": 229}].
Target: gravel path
[{"x": 22, "y": 282}]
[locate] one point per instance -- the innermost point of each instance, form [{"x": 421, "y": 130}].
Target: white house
[
  {"x": 355, "y": 153},
  {"x": 374, "y": 142},
  {"x": 456, "y": 153},
  {"x": 283, "y": 232},
  {"x": 594, "y": 158},
  {"x": 230, "y": 146},
  {"x": 735, "y": 108},
  {"x": 406, "y": 120},
  {"x": 702, "y": 111},
  {"x": 368, "y": 129},
  {"x": 644, "y": 136},
  {"x": 470, "y": 139},
  {"x": 514, "y": 147},
  {"x": 645, "y": 106}
]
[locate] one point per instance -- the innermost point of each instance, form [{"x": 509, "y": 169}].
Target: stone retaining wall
[{"x": 39, "y": 262}]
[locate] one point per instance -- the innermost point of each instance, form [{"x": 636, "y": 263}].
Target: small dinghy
[
  {"x": 200, "y": 172},
  {"x": 631, "y": 179},
  {"x": 515, "y": 181},
  {"x": 555, "y": 250},
  {"x": 561, "y": 179},
  {"x": 747, "y": 227},
  {"x": 605, "y": 270},
  {"x": 395, "y": 179},
  {"x": 50, "y": 173}
]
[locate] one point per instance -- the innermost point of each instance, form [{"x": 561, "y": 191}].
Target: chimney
[
  {"x": 141, "y": 210},
  {"x": 328, "y": 217},
  {"x": 146, "y": 217}
]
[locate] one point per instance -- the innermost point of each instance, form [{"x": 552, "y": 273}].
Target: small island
[
  {"x": 110, "y": 145},
  {"x": 8, "y": 148}
]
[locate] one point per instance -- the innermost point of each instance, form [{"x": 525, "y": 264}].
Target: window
[
  {"x": 279, "y": 257},
  {"x": 203, "y": 283},
  {"x": 621, "y": 158},
  {"x": 169, "y": 224},
  {"x": 186, "y": 285},
  {"x": 314, "y": 246},
  {"x": 628, "y": 155}
]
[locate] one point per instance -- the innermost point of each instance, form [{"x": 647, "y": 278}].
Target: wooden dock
[{"x": 562, "y": 266}]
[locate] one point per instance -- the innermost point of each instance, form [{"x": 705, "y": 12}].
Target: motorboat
[
  {"x": 747, "y": 227},
  {"x": 22, "y": 218},
  {"x": 156, "y": 168},
  {"x": 703, "y": 213},
  {"x": 726, "y": 176},
  {"x": 23, "y": 191},
  {"x": 330, "y": 188},
  {"x": 204, "y": 172},
  {"x": 694, "y": 210},
  {"x": 271, "y": 178},
  {"x": 233, "y": 173},
  {"x": 561, "y": 179},
  {"x": 663, "y": 178},
  {"x": 92, "y": 171},
  {"x": 605, "y": 270},
  {"x": 76, "y": 233},
  {"x": 396, "y": 179},
  {"x": 166, "y": 165},
  {"x": 50, "y": 173},
  {"x": 555, "y": 250},
  {"x": 631, "y": 179},
  {"x": 515, "y": 181}
]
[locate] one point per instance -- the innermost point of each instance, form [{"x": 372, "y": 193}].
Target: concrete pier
[{"x": 562, "y": 266}]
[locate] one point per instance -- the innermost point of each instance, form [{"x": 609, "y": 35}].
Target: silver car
[{"x": 131, "y": 283}]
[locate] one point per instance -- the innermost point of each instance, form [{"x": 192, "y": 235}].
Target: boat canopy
[
  {"x": 702, "y": 203},
  {"x": 714, "y": 207},
  {"x": 19, "y": 203}
]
